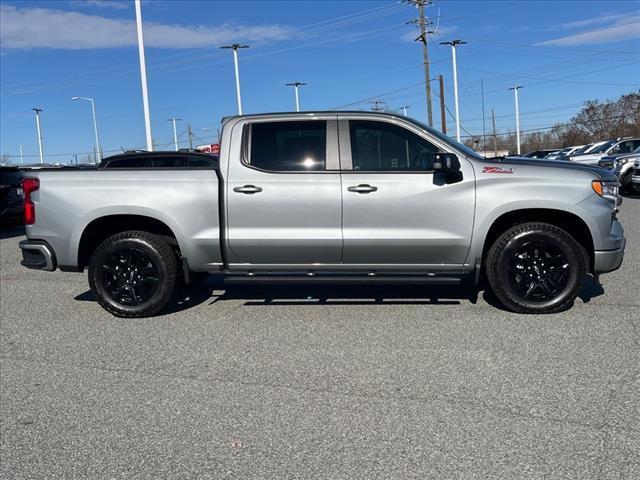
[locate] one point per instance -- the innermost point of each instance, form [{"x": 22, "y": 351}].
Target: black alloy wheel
[
  {"x": 539, "y": 271},
  {"x": 130, "y": 277}
]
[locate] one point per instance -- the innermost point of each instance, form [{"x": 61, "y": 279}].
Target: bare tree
[{"x": 595, "y": 122}]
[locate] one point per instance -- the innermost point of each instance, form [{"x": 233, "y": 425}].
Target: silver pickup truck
[{"x": 328, "y": 197}]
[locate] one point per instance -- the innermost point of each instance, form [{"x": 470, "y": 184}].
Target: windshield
[
  {"x": 468, "y": 151},
  {"x": 603, "y": 147},
  {"x": 583, "y": 149}
]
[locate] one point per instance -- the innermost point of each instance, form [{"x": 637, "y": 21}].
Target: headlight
[
  {"x": 621, "y": 161},
  {"x": 605, "y": 189}
]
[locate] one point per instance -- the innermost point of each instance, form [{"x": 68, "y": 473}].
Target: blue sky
[{"x": 562, "y": 52}]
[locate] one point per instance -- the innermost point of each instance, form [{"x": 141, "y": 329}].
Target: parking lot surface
[{"x": 319, "y": 382}]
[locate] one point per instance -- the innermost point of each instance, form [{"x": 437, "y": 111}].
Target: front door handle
[
  {"x": 362, "y": 188},
  {"x": 248, "y": 189}
]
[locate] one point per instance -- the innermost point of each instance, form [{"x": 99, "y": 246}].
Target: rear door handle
[
  {"x": 248, "y": 189},
  {"x": 362, "y": 188}
]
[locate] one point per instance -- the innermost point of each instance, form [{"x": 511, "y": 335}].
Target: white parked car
[
  {"x": 635, "y": 178},
  {"x": 613, "y": 147},
  {"x": 621, "y": 165},
  {"x": 564, "y": 153}
]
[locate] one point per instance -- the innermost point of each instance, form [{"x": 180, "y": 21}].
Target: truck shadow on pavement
[
  {"x": 281, "y": 295},
  {"x": 214, "y": 290}
]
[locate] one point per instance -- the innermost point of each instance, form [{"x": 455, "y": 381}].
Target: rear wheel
[
  {"x": 536, "y": 268},
  {"x": 133, "y": 274}
]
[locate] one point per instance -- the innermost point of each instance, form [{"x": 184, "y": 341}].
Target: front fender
[{"x": 489, "y": 217}]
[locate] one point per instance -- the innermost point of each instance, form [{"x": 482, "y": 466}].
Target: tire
[
  {"x": 536, "y": 268},
  {"x": 625, "y": 183},
  {"x": 133, "y": 274}
]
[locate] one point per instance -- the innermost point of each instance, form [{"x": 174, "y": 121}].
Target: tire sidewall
[{"x": 166, "y": 275}]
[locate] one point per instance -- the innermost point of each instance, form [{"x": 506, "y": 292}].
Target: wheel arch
[
  {"x": 100, "y": 228},
  {"x": 567, "y": 221}
]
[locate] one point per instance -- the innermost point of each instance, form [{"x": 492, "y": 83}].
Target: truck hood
[
  {"x": 601, "y": 173},
  {"x": 620, "y": 156}
]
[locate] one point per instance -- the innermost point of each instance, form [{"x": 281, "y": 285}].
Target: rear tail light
[{"x": 29, "y": 185}]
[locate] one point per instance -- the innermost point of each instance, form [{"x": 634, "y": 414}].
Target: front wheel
[
  {"x": 625, "y": 182},
  {"x": 133, "y": 274},
  {"x": 536, "y": 268}
]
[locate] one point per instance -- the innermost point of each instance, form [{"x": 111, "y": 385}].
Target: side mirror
[
  {"x": 446, "y": 162},
  {"x": 448, "y": 165}
]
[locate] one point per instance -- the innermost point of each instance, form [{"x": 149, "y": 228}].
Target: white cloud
[
  {"x": 115, "y": 4},
  {"x": 624, "y": 29},
  {"x": 589, "y": 22},
  {"x": 26, "y": 28}
]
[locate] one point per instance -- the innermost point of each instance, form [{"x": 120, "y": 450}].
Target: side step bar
[{"x": 341, "y": 279}]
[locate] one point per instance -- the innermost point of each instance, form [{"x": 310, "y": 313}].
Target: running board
[{"x": 341, "y": 279}]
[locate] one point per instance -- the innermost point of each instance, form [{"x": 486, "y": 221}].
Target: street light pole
[
  {"x": 295, "y": 85},
  {"x": 95, "y": 123},
  {"x": 38, "y": 110},
  {"x": 404, "y": 109},
  {"x": 453, "y": 44},
  {"x": 175, "y": 133},
  {"x": 515, "y": 91},
  {"x": 143, "y": 76},
  {"x": 235, "y": 48}
]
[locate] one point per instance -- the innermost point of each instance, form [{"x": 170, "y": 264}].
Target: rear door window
[{"x": 288, "y": 146}]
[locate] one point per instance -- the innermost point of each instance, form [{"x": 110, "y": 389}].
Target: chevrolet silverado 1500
[{"x": 328, "y": 197}]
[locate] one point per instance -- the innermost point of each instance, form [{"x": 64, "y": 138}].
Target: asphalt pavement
[{"x": 319, "y": 382}]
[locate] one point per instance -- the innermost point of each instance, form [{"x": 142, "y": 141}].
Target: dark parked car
[
  {"x": 540, "y": 153},
  {"x": 11, "y": 197},
  {"x": 144, "y": 159}
]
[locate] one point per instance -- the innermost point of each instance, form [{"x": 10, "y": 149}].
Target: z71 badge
[{"x": 497, "y": 170}]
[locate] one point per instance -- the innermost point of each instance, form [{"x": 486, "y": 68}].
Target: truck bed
[{"x": 185, "y": 200}]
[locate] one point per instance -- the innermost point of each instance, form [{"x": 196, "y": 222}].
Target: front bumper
[
  {"x": 608, "y": 260},
  {"x": 38, "y": 255}
]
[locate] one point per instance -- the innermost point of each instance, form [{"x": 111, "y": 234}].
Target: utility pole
[
  {"x": 484, "y": 134},
  {"x": 295, "y": 86},
  {"x": 21, "y": 155},
  {"x": 190, "y": 136},
  {"x": 443, "y": 116},
  {"x": 143, "y": 77},
  {"x": 515, "y": 91},
  {"x": 175, "y": 133},
  {"x": 95, "y": 124},
  {"x": 495, "y": 136},
  {"x": 453, "y": 44},
  {"x": 235, "y": 48},
  {"x": 38, "y": 110},
  {"x": 375, "y": 104},
  {"x": 404, "y": 109},
  {"x": 423, "y": 21}
]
